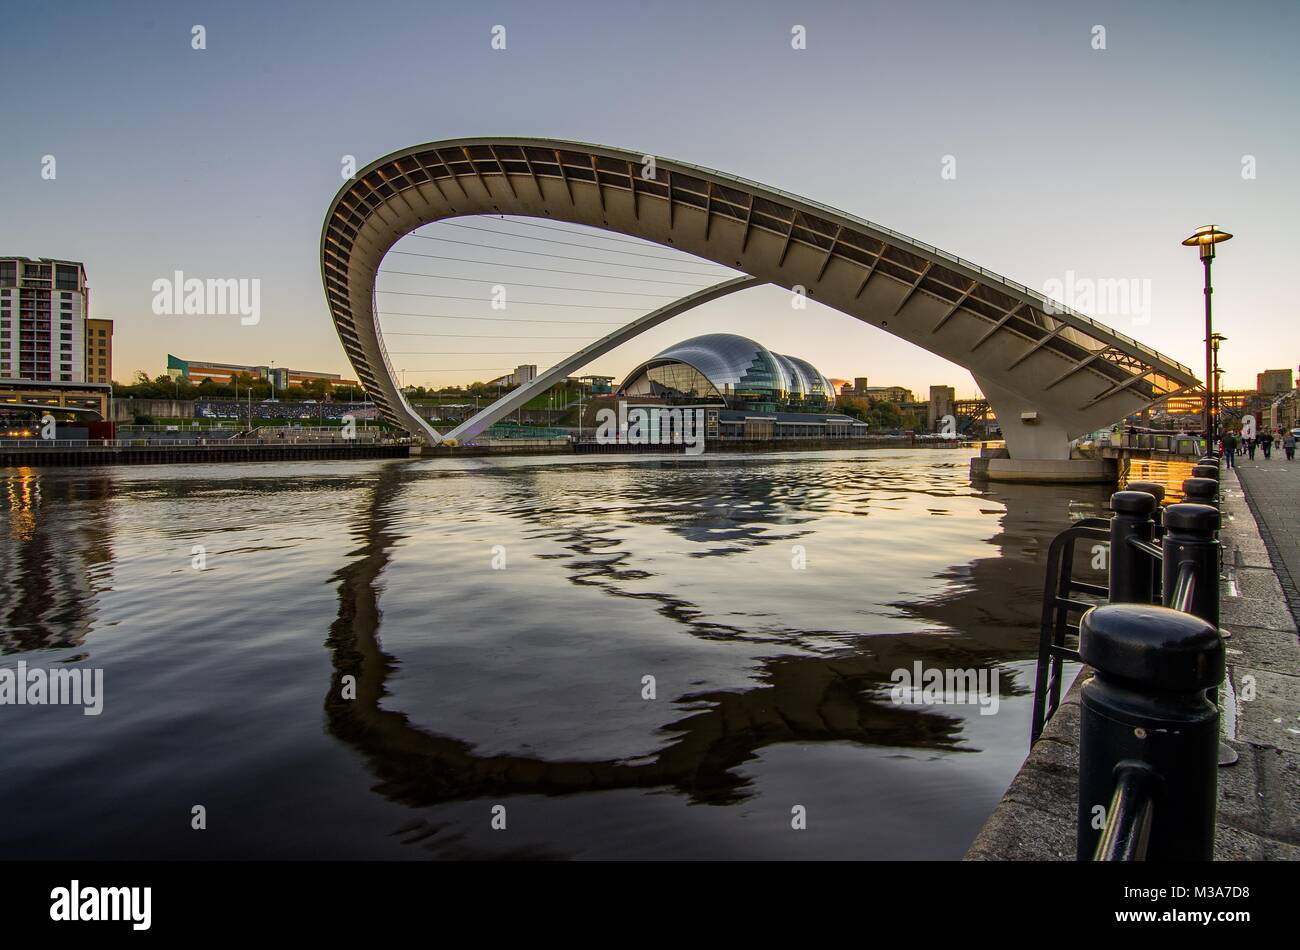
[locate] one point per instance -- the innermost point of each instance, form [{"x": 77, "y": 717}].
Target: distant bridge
[{"x": 1048, "y": 372}]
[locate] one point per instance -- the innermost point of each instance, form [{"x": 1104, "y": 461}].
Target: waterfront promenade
[
  {"x": 1272, "y": 489},
  {"x": 1259, "y": 797}
]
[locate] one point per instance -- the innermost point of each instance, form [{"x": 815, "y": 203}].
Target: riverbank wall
[
  {"x": 162, "y": 454},
  {"x": 140, "y": 452}
]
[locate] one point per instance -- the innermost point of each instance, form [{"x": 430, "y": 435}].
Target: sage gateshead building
[{"x": 758, "y": 394}]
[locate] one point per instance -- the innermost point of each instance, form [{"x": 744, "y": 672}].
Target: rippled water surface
[{"x": 524, "y": 686}]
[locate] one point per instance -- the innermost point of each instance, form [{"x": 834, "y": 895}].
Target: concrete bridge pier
[{"x": 1038, "y": 444}]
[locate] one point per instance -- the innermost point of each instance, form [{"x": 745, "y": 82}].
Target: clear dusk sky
[{"x": 221, "y": 162}]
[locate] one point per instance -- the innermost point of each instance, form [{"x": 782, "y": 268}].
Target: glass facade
[
  {"x": 741, "y": 372},
  {"x": 673, "y": 381},
  {"x": 818, "y": 390}
]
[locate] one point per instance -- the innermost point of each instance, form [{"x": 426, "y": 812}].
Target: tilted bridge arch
[{"x": 1048, "y": 372}]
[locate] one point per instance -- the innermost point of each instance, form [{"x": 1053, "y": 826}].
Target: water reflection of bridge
[
  {"x": 712, "y": 744},
  {"x": 841, "y": 696}
]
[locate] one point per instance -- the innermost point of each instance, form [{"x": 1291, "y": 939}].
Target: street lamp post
[
  {"x": 1206, "y": 238},
  {"x": 1215, "y": 340}
]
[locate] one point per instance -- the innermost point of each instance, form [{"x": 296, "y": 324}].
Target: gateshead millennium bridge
[{"x": 1048, "y": 372}]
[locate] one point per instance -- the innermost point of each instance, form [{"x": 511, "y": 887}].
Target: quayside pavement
[
  {"x": 1272, "y": 489},
  {"x": 1259, "y": 797}
]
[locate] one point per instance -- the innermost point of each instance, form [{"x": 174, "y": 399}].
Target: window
[{"x": 65, "y": 276}]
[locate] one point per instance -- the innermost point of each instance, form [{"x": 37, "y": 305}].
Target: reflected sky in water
[{"x": 523, "y": 686}]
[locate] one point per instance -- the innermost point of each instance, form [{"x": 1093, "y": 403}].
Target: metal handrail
[
  {"x": 1147, "y": 547},
  {"x": 1057, "y": 608},
  {"x": 1185, "y": 588},
  {"x": 1127, "y": 831},
  {"x": 1058, "y": 605}
]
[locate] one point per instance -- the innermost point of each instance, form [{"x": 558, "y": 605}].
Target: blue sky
[{"x": 221, "y": 162}]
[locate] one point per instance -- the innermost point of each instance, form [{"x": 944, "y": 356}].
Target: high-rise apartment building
[
  {"x": 43, "y": 306},
  {"x": 99, "y": 351}
]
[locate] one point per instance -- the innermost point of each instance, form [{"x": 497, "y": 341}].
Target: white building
[
  {"x": 524, "y": 373},
  {"x": 43, "y": 306}
]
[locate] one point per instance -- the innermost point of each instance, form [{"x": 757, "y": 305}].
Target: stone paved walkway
[{"x": 1272, "y": 488}]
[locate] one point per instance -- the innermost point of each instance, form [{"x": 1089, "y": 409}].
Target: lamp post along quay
[
  {"x": 1215, "y": 340},
  {"x": 1205, "y": 238}
]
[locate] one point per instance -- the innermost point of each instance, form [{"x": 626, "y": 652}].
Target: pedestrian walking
[
  {"x": 1266, "y": 443},
  {"x": 1250, "y": 449},
  {"x": 1230, "y": 448},
  {"x": 1288, "y": 445}
]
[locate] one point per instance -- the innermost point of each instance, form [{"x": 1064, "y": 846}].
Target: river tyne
[{"x": 592, "y": 657}]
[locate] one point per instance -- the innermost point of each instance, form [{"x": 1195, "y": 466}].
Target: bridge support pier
[
  {"x": 1038, "y": 445},
  {"x": 1061, "y": 471}
]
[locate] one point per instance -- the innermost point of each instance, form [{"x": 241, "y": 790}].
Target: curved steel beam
[
  {"x": 1074, "y": 372},
  {"x": 544, "y": 381}
]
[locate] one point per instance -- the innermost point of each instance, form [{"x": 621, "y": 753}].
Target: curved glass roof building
[{"x": 733, "y": 368}]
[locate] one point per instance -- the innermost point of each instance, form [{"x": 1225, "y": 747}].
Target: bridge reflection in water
[
  {"x": 840, "y": 696},
  {"x": 476, "y": 688}
]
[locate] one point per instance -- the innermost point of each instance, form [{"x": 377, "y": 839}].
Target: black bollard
[
  {"x": 1208, "y": 460},
  {"x": 1201, "y": 491},
  {"x": 1148, "y": 736},
  {"x": 1190, "y": 578},
  {"x": 1131, "y": 577},
  {"x": 1156, "y": 490},
  {"x": 1190, "y": 575},
  {"x": 1205, "y": 471},
  {"x": 1151, "y": 488}
]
